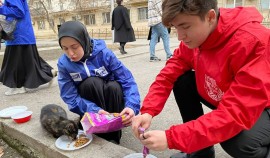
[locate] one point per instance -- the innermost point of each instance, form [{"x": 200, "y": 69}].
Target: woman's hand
[
  {"x": 103, "y": 112},
  {"x": 143, "y": 121},
  {"x": 129, "y": 114},
  {"x": 154, "y": 140}
]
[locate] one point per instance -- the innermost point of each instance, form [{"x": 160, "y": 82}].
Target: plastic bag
[
  {"x": 101, "y": 123},
  {"x": 7, "y": 28}
]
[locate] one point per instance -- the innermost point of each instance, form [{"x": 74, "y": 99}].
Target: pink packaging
[{"x": 101, "y": 123}]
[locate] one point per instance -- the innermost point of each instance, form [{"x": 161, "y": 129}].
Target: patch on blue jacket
[
  {"x": 101, "y": 72},
  {"x": 76, "y": 76}
]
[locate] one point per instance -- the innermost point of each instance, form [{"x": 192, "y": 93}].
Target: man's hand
[
  {"x": 143, "y": 121},
  {"x": 154, "y": 140}
]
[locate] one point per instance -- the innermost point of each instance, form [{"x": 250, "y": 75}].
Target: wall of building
[
  {"x": 98, "y": 30},
  {"x": 103, "y": 30}
]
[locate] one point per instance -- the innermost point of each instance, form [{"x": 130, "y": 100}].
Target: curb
[{"x": 16, "y": 144}]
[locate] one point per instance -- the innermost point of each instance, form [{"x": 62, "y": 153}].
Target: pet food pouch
[{"x": 101, "y": 123}]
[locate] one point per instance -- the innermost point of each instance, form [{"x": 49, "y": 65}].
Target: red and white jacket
[{"x": 232, "y": 69}]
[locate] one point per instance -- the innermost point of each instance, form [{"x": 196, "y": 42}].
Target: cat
[{"x": 53, "y": 118}]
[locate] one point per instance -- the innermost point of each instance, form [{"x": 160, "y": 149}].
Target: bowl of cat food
[{"x": 22, "y": 116}]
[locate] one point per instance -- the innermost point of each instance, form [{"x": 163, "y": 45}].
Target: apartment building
[{"x": 48, "y": 15}]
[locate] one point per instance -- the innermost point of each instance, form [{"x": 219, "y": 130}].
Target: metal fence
[
  {"x": 107, "y": 33},
  {"x": 140, "y": 33},
  {"x": 266, "y": 24}
]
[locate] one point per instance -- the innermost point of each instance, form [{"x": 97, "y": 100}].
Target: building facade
[{"x": 48, "y": 15}]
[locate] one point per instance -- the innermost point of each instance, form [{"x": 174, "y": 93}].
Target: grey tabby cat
[{"x": 53, "y": 118}]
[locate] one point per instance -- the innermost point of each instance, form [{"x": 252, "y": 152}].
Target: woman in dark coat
[{"x": 123, "y": 31}]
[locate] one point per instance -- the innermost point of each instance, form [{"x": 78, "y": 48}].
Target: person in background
[
  {"x": 22, "y": 66},
  {"x": 92, "y": 79},
  {"x": 223, "y": 62},
  {"x": 157, "y": 30},
  {"x": 123, "y": 31}
]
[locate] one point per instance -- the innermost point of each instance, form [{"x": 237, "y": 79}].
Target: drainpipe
[{"x": 112, "y": 7}]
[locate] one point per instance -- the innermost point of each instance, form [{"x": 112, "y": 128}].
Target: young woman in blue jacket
[{"x": 92, "y": 79}]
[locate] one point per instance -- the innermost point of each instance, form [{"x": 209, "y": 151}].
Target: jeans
[{"x": 160, "y": 30}]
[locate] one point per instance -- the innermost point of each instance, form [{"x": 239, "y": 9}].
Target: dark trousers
[
  {"x": 122, "y": 44},
  {"x": 106, "y": 94},
  {"x": 253, "y": 143}
]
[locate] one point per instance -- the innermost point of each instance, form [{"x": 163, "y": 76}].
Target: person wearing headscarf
[
  {"x": 123, "y": 31},
  {"x": 22, "y": 66},
  {"x": 92, "y": 79}
]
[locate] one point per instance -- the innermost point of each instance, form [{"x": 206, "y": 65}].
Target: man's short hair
[{"x": 171, "y": 8}]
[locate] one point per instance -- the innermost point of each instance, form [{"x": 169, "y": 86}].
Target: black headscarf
[{"x": 76, "y": 30}]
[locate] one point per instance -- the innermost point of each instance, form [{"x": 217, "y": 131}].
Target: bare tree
[
  {"x": 47, "y": 15},
  {"x": 42, "y": 11}
]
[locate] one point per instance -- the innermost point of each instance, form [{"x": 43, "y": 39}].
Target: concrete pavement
[{"x": 41, "y": 144}]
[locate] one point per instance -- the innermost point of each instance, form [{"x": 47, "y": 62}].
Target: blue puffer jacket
[
  {"x": 18, "y": 9},
  {"x": 104, "y": 64}
]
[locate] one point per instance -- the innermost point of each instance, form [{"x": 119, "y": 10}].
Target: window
[
  {"x": 76, "y": 18},
  {"x": 61, "y": 21},
  {"x": 92, "y": 19},
  {"x": 61, "y": 6},
  {"x": 234, "y": 3},
  {"x": 106, "y": 17},
  {"x": 86, "y": 19},
  {"x": 41, "y": 25},
  {"x": 143, "y": 13},
  {"x": 89, "y": 19},
  {"x": 49, "y": 2},
  {"x": 93, "y": 3},
  {"x": 238, "y": 3},
  {"x": 37, "y": 5},
  {"x": 265, "y": 4}
]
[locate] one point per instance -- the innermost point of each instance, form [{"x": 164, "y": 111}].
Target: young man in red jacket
[{"x": 223, "y": 61}]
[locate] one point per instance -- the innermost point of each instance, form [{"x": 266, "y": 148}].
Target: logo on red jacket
[{"x": 212, "y": 89}]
